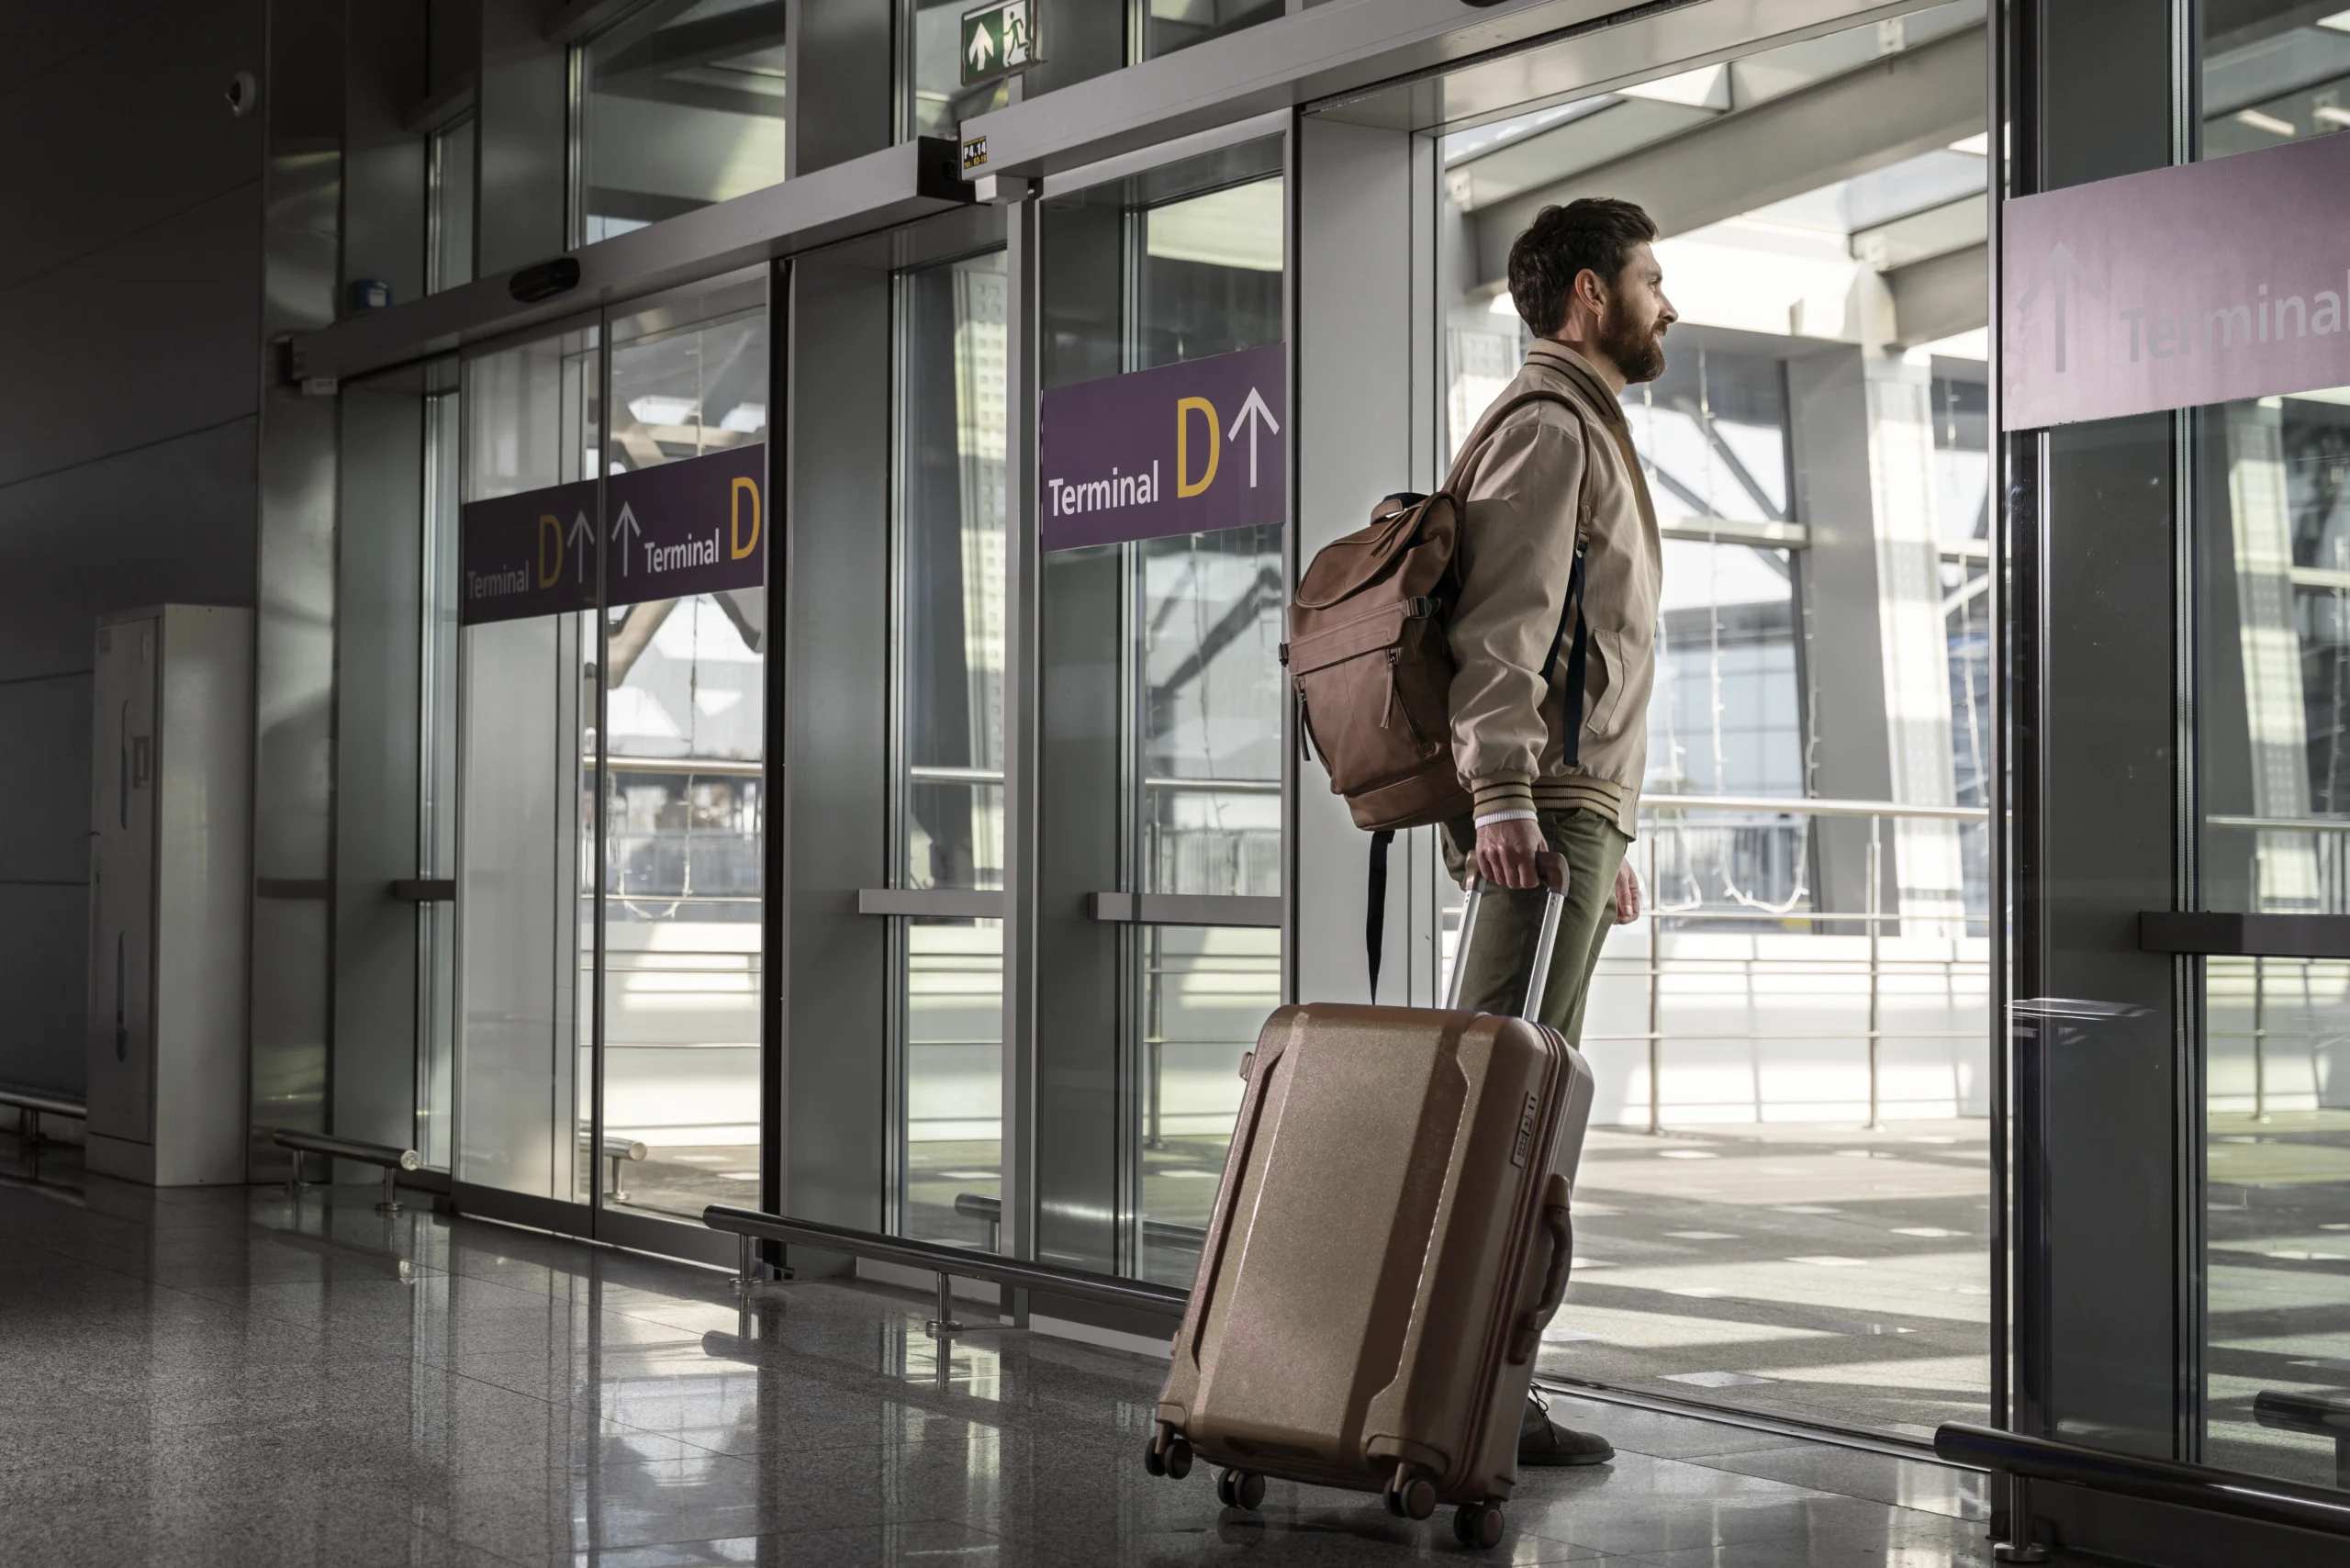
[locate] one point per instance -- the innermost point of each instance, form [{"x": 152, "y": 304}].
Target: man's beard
[{"x": 1639, "y": 353}]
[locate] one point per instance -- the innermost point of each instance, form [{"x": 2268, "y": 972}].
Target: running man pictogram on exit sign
[{"x": 998, "y": 39}]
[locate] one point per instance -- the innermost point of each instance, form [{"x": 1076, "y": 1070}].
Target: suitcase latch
[
  {"x": 1247, "y": 1065},
  {"x": 1527, "y": 1121}
]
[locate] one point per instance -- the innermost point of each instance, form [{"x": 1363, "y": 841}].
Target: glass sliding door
[
  {"x": 682, "y": 783},
  {"x": 1161, "y": 770},
  {"x": 949, "y": 566},
  {"x": 2275, "y": 746},
  {"x": 437, "y": 738},
  {"x": 533, "y": 421},
  {"x": 1788, "y": 1174},
  {"x": 603, "y": 600}
]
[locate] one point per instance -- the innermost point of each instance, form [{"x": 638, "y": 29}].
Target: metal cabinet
[{"x": 170, "y": 846}]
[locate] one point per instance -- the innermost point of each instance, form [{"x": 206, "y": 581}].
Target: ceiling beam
[
  {"x": 1940, "y": 296},
  {"x": 1896, "y": 107}
]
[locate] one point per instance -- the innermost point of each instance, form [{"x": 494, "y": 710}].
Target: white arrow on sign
[
  {"x": 983, "y": 46},
  {"x": 2060, "y": 266},
  {"x": 626, "y": 520},
  {"x": 579, "y": 533},
  {"x": 1252, "y": 411}
]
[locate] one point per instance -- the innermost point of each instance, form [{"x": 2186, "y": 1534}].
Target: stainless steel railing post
[
  {"x": 1656, "y": 997},
  {"x": 1876, "y": 1028},
  {"x": 2259, "y": 1039},
  {"x": 944, "y": 1327}
]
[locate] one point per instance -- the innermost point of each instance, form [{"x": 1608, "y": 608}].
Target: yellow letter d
[
  {"x": 1184, "y": 485},
  {"x": 550, "y": 533},
  {"x": 740, "y": 543}
]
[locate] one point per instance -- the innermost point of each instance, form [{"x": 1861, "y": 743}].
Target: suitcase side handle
[
  {"x": 1560, "y": 1224},
  {"x": 1551, "y": 867}
]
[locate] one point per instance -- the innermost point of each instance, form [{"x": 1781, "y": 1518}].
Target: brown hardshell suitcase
[{"x": 1391, "y": 1237}]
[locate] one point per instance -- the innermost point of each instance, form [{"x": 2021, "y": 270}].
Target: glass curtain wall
[
  {"x": 2273, "y": 612},
  {"x": 534, "y": 420},
  {"x": 1785, "y": 1194},
  {"x": 936, "y": 101},
  {"x": 1083, "y": 39},
  {"x": 1176, "y": 640},
  {"x": 948, "y": 697},
  {"x": 684, "y": 786},
  {"x": 449, "y": 252},
  {"x": 680, "y": 105}
]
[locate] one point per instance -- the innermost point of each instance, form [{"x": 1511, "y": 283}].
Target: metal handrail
[
  {"x": 747, "y": 1225},
  {"x": 616, "y": 1149},
  {"x": 41, "y": 1104},
  {"x": 1809, "y": 806},
  {"x": 31, "y": 1105},
  {"x": 940, "y": 773},
  {"x": 2289, "y": 1503},
  {"x": 1165, "y": 1232},
  {"x": 393, "y": 1161}
]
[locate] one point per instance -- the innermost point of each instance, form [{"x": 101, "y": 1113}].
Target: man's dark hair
[{"x": 1597, "y": 232}]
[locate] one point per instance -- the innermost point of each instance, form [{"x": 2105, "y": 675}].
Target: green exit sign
[{"x": 998, "y": 40}]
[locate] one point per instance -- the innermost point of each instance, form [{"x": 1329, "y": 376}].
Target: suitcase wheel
[
  {"x": 1240, "y": 1489},
  {"x": 1410, "y": 1494},
  {"x": 1477, "y": 1525},
  {"x": 1170, "y": 1453}
]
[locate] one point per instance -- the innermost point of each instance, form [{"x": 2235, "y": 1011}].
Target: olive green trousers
[{"x": 1501, "y": 949}]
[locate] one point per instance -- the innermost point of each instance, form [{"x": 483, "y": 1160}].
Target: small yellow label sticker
[{"x": 975, "y": 154}]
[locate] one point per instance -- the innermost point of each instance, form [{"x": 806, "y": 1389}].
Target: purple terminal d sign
[
  {"x": 1183, "y": 449},
  {"x": 2198, "y": 283},
  {"x": 694, "y": 526}
]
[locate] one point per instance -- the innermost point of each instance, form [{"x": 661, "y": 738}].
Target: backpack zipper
[{"x": 1394, "y": 690}]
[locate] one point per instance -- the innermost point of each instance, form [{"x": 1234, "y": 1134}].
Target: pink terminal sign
[
  {"x": 2200, "y": 283},
  {"x": 1186, "y": 448}
]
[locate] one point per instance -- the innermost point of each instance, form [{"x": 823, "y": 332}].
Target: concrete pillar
[
  {"x": 2284, "y": 870},
  {"x": 1879, "y": 657}
]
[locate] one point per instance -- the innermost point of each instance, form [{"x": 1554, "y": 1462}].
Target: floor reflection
[{"x": 211, "y": 1376}]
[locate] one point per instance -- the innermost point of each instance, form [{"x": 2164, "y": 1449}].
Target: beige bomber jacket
[{"x": 1521, "y": 499}]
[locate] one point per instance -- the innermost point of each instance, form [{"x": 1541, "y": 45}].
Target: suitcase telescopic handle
[
  {"x": 1560, "y": 1225},
  {"x": 1551, "y": 867}
]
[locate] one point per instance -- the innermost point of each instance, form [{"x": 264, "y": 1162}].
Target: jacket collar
[{"x": 1560, "y": 360}]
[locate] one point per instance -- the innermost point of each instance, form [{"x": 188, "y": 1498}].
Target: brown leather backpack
[{"x": 1370, "y": 658}]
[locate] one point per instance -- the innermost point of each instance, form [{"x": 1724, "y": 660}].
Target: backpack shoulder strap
[
  {"x": 1492, "y": 422},
  {"x": 1474, "y": 447}
]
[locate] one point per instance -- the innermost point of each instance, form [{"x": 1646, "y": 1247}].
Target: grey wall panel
[
  {"x": 841, "y": 102},
  {"x": 525, "y": 154},
  {"x": 836, "y": 970},
  {"x": 383, "y": 161},
  {"x": 45, "y": 789},
  {"x": 453, "y": 42},
  {"x": 44, "y": 876},
  {"x": 377, "y": 666},
  {"x": 43, "y": 929},
  {"x": 163, "y": 142},
  {"x": 171, "y": 520},
  {"x": 155, "y": 335},
  {"x": 37, "y": 36},
  {"x": 1355, "y": 438}
]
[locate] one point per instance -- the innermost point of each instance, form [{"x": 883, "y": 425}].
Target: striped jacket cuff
[{"x": 1503, "y": 792}]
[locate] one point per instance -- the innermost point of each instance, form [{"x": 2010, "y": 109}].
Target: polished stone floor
[{"x": 220, "y": 1376}]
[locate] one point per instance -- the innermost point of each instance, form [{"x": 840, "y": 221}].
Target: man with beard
[{"x": 1554, "y": 633}]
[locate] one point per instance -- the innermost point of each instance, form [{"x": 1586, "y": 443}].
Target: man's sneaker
[{"x": 1542, "y": 1441}]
